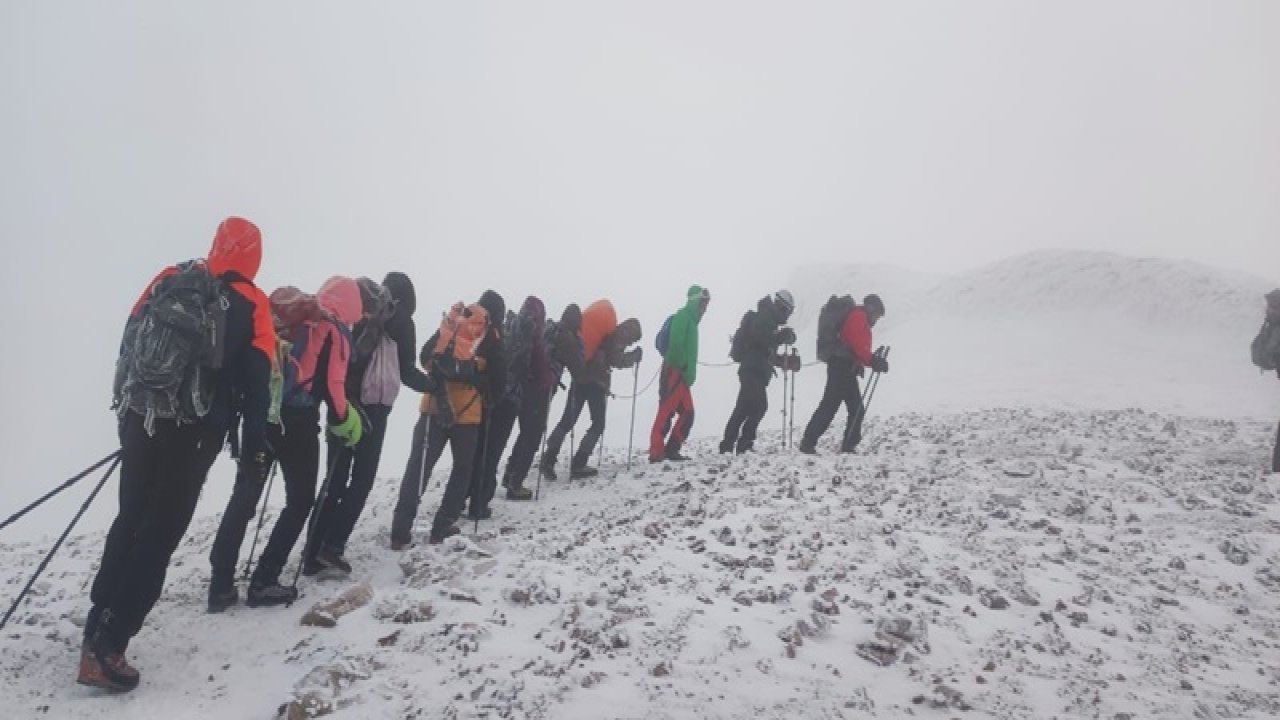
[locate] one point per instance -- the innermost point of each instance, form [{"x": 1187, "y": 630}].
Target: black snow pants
[
  {"x": 160, "y": 480},
  {"x": 841, "y": 388},
  {"x": 753, "y": 403}
]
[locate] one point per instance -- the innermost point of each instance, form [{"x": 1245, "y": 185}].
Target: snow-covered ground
[
  {"x": 1004, "y": 563},
  {"x": 1060, "y": 510}
]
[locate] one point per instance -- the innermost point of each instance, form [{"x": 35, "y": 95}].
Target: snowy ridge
[
  {"x": 1176, "y": 294},
  {"x": 1003, "y": 564},
  {"x": 1152, "y": 291},
  {"x": 1060, "y": 329}
]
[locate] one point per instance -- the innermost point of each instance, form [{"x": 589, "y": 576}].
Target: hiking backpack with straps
[
  {"x": 377, "y": 306},
  {"x": 662, "y": 340},
  {"x": 291, "y": 310},
  {"x": 173, "y": 348},
  {"x": 831, "y": 321},
  {"x": 738, "y": 341},
  {"x": 295, "y": 313},
  {"x": 518, "y": 346},
  {"x": 1265, "y": 349}
]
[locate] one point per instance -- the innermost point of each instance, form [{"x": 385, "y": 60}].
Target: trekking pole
[
  {"x": 316, "y": 506},
  {"x": 537, "y": 488},
  {"x": 785, "y": 374},
  {"x": 88, "y": 471},
  {"x": 484, "y": 468},
  {"x": 573, "y": 430},
  {"x": 262, "y": 516},
  {"x": 869, "y": 392},
  {"x": 53, "y": 551},
  {"x": 631, "y": 436},
  {"x": 791, "y": 418}
]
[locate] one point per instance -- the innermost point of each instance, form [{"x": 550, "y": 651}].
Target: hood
[
  {"x": 237, "y": 247},
  {"x": 340, "y": 297},
  {"x": 695, "y": 300},
  {"x": 571, "y": 318},
  {"x": 629, "y": 332},
  {"x": 493, "y": 304},
  {"x": 535, "y": 311},
  {"x": 401, "y": 289}
]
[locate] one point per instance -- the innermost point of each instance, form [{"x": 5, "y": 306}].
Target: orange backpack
[{"x": 461, "y": 332}]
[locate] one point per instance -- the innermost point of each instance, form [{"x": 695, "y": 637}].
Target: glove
[
  {"x": 793, "y": 363},
  {"x": 635, "y": 355},
  {"x": 349, "y": 431},
  {"x": 879, "y": 364},
  {"x": 786, "y": 336}
]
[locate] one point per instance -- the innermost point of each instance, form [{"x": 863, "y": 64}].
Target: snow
[{"x": 1060, "y": 510}]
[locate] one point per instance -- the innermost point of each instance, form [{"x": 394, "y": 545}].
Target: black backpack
[
  {"x": 738, "y": 343},
  {"x": 1265, "y": 348},
  {"x": 173, "y": 348},
  {"x": 518, "y": 349},
  {"x": 377, "y": 306},
  {"x": 831, "y": 321}
]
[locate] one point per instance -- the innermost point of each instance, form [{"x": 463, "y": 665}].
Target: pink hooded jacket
[{"x": 339, "y": 297}]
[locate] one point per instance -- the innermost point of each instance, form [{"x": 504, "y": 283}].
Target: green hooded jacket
[{"x": 682, "y": 345}]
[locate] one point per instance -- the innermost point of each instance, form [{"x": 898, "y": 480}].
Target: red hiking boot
[{"x": 106, "y": 669}]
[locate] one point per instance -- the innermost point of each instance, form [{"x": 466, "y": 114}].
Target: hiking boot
[
  {"x": 399, "y": 544},
  {"x": 548, "y": 470},
  {"x": 311, "y": 567},
  {"x": 270, "y": 594},
  {"x": 583, "y": 472},
  {"x": 808, "y": 449},
  {"x": 675, "y": 456},
  {"x": 726, "y": 447},
  {"x": 654, "y": 460},
  {"x": 333, "y": 561},
  {"x": 105, "y": 668},
  {"x": 222, "y": 596},
  {"x": 519, "y": 493},
  {"x": 448, "y": 533}
]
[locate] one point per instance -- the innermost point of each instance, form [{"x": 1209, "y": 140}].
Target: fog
[{"x": 577, "y": 150}]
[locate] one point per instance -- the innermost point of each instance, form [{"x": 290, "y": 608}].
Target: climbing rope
[{"x": 642, "y": 390}]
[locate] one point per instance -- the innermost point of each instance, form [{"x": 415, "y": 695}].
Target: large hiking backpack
[
  {"x": 1265, "y": 348},
  {"x": 738, "y": 341},
  {"x": 291, "y": 309},
  {"x": 172, "y": 348},
  {"x": 831, "y": 321},
  {"x": 552, "y": 337},
  {"x": 377, "y": 306},
  {"x": 518, "y": 347},
  {"x": 461, "y": 332},
  {"x": 662, "y": 340}
]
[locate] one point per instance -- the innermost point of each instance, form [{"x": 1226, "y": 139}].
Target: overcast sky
[{"x": 578, "y": 149}]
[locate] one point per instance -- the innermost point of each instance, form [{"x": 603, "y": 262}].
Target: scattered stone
[{"x": 326, "y": 614}]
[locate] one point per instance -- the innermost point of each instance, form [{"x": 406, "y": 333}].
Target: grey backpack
[
  {"x": 1266, "y": 347},
  {"x": 173, "y": 348}
]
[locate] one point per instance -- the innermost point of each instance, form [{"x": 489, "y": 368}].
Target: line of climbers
[{"x": 208, "y": 358}]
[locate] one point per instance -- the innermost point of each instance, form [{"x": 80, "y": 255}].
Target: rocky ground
[{"x": 1005, "y": 564}]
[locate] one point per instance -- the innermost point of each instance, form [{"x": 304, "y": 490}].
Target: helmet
[{"x": 784, "y": 301}]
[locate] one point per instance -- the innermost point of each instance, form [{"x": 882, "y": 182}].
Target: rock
[
  {"x": 1234, "y": 553},
  {"x": 992, "y": 599},
  {"x": 660, "y": 670},
  {"x": 326, "y": 614}
]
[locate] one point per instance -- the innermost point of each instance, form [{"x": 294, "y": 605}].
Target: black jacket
[{"x": 760, "y": 340}]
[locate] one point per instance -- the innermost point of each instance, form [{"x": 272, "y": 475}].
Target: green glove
[{"x": 350, "y": 430}]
